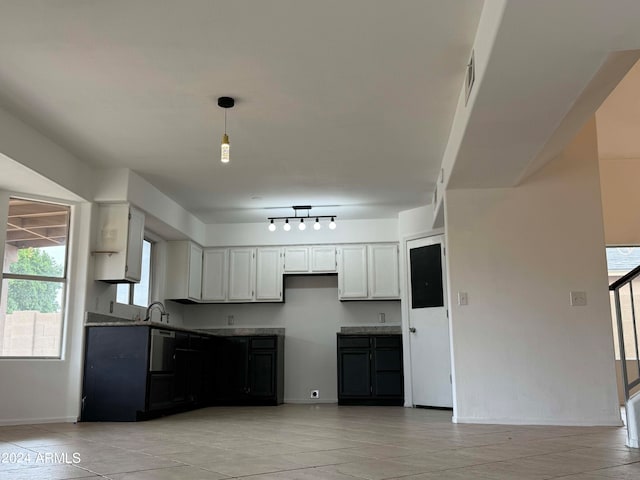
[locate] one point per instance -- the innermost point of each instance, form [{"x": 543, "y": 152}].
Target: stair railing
[{"x": 616, "y": 287}]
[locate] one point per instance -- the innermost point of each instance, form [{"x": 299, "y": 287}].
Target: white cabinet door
[
  {"x": 135, "y": 237},
  {"x": 118, "y": 251},
  {"x": 184, "y": 271},
  {"x": 384, "y": 280},
  {"x": 241, "y": 274},
  {"x": 323, "y": 259},
  {"x": 296, "y": 260},
  {"x": 195, "y": 272},
  {"x": 352, "y": 272},
  {"x": 268, "y": 274},
  {"x": 214, "y": 275}
]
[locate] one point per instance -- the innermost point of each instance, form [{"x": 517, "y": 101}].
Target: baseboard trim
[
  {"x": 37, "y": 421},
  {"x": 301, "y": 401},
  {"x": 568, "y": 422}
]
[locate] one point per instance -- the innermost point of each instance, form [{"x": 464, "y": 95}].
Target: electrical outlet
[
  {"x": 578, "y": 299},
  {"x": 230, "y": 320},
  {"x": 315, "y": 394},
  {"x": 382, "y": 317}
]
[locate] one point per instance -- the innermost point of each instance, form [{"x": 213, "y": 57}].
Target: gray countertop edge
[
  {"x": 371, "y": 330},
  {"x": 101, "y": 320}
]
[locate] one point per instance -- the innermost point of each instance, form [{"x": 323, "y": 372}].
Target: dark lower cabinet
[
  {"x": 161, "y": 391},
  {"x": 121, "y": 383},
  {"x": 250, "y": 370},
  {"x": 115, "y": 374},
  {"x": 370, "y": 370}
]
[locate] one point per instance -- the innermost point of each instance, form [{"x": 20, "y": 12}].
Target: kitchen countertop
[
  {"x": 372, "y": 330},
  {"x": 101, "y": 320}
]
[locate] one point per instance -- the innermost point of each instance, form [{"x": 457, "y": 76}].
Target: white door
[
  {"x": 323, "y": 259},
  {"x": 214, "y": 275},
  {"x": 268, "y": 274},
  {"x": 383, "y": 271},
  {"x": 352, "y": 272},
  {"x": 296, "y": 259},
  {"x": 241, "y": 274},
  {"x": 195, "y": 272},
  {"x": 428, "y": 323}
]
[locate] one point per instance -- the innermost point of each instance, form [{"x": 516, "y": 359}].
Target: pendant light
[
  {"x": 226, "y": 103},
  {"x": 332, "y": 224},
  {"x": 302, "y": 226},
  {"x": 287, "y": 226},
  {"x": 272, "y": 226},
  {"x": 316, "y": 225}
]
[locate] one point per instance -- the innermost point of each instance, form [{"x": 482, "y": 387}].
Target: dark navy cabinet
[
  {"x": 250, "y": 370},
  {"x": 370, "y": 370},
  {"x": 124, "y": 380}
]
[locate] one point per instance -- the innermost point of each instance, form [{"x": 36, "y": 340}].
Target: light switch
[
  {"x": 463, "y": 299},
  {"x": 381, "y": 317},
  {"x": 578, "y": 299}
]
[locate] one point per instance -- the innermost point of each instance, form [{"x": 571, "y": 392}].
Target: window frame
[{"x": 63, "y": 279}]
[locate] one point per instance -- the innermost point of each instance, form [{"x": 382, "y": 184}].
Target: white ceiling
[{"x": 340, "y": 103}]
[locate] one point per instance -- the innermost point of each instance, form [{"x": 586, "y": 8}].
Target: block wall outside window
[{"x": 34, "y": 279}]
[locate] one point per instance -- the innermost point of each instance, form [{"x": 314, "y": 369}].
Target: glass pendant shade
[{"x": 224, "y": 149}]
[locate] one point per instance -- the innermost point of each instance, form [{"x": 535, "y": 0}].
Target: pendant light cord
[{"x": 225, "y": 121}]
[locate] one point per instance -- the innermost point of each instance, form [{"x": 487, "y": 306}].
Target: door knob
[{"x": 412, "y": 330}]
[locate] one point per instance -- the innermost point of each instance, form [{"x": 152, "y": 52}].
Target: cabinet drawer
[
  {"x": 394, "y": 341},
  {"x": 263, "y": 343},
  {"x": 353, "y": 342}
]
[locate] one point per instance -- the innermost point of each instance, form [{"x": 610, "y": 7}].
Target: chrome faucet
[{"x": 159, "y": 306}]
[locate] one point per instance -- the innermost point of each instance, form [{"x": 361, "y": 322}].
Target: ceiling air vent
[{"x": 469, "y": 78}]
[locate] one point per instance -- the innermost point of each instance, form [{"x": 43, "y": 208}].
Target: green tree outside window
[{"x": 36, "y": 295}]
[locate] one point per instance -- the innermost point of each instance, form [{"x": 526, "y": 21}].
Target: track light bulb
[
  {"x": 316, "y": 225},
  {"x": 272, "y": 226},
  {"x": 286, "y": 226},
  {"x": 332, "y": 224},
  {"x": 302, "y": 226}
]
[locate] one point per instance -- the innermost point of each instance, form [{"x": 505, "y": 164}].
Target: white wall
[
  {"x": 347, "y": 231},
  {"x": 521, "y": 353},
  {"x": 620, "y": 200},
  {"x": 311, "y": 317},
  {"x": 26, "y": 145},
  {"x": 45, "y": 390}
]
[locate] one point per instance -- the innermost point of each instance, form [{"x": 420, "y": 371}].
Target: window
[
  {"x": 620, "y": 261},
  {"x": 34, "y": 279},
  {"x": 138, "y": 293}
]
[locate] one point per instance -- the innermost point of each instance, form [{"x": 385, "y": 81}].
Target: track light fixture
[
  {"x": 301, "y": 226},
  {"x": 226, "y": 103}
]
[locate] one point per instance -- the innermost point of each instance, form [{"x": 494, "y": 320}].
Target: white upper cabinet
[
  {"x": 384, "y": 280},
  {"x": 317, "y": 259},
  {"x": 323, "y": 259},
  {"x": 352, "y": 272},
  {"x": 268, "y": 274},
  {"x": 255, "y": 274},
  {"x": 118, "y": 252},
  {"x": 241, "y": 274},
  {"x": 296, "y": 260},
  {"x": 214, "y": 275},
  {"x": 184, "y": 271}
]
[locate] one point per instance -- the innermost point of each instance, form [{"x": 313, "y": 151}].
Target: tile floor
[{"x": 313, "y": 442}]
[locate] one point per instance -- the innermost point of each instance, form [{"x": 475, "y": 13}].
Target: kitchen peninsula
[{"x": 140, "y": 370}]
